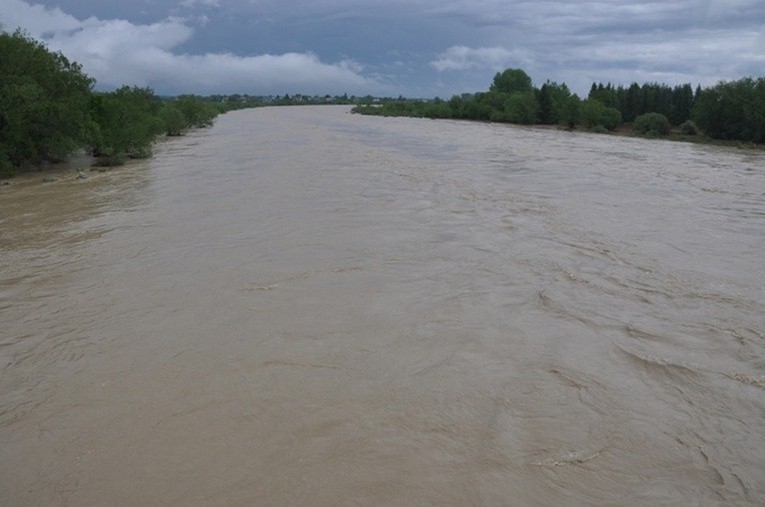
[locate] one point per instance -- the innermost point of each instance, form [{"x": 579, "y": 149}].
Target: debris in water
[
  {"x": 570, "y": 458},
  {"x": 749, "y": 379}
]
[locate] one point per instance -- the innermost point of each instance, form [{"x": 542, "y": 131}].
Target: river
[{"x": 301, "y": 306}]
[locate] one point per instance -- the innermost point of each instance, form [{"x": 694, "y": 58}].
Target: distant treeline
[
  {"x": 48, "y": 111},
  {"x": 729, "y": 110}
]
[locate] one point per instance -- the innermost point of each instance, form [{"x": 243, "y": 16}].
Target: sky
[{"x": 414, "y": 48}]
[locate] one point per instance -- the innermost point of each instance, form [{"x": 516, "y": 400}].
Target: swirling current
[{"x": 301, "y": 306}]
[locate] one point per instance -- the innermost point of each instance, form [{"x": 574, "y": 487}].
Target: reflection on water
[{"x": 302, "y": 306}]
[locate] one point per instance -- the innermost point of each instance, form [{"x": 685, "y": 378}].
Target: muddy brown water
[{"x": 301, "y": 306}]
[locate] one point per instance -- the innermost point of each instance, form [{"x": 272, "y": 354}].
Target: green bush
[
  {"x": 173, "y": 119},
  {"x": 127, "y": 123},
  {"x": 6, "y": 168},
  {"x": 612, "y": 118},
  {"x": 652, "y": 124},
  {"x": 43, "y": 103},
  {"x": 522, "y": 107},
  {"x": 689, "y": 128},
  {"x": 198, "y": 113},
  {"x": 594, "y": 113}
]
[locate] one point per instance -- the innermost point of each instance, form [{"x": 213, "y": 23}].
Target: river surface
[{"x": 300, "y": 306}]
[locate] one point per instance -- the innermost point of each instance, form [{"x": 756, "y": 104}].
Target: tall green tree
[
  {"x": 551, "y": 99},
  {"x": 511, "y": 81},
  {"x": 632, "y": 103},
  {"x": 544, "y": 99},
  {"x": 571, "y": 112},
  {"x": 733, "y": 110},
  {"x": 605, "y": 94},
  {"x": 682, "y": 103}
]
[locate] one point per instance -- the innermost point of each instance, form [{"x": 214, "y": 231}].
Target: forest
[{"x": 732, "y": 110}]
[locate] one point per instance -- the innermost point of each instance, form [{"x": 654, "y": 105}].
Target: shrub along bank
[
  {"x": 49, "y": 110},
  {"x": 727, "y": 111}
]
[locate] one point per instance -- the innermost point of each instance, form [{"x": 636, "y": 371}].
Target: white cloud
[
  {"x": 621, "y": 41},
  {"x": 36, "y": 19},
  {"x": 202, "y": 3},
  {"x": 699, "y": 56},
  {"x": 117, "y": 52},
  {"x": 463, "y": 57}
]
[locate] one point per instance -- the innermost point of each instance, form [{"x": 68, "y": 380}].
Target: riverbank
[
  {"x": 727, "y": 111},
  {"x": 675, "y": 135},
  {"x": 80, "y": 167},
  {"x": 624, "y": 130}
]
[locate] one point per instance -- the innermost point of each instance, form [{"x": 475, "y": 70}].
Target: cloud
[
  {"x": 463, "y": 58},
  {"x": 413, "y": 47},
  {"x": 695, "y": 41},
  {"x": 36, "y": 19},
  {"x": 201, "y": 3},
  {"x": 698, "y": 56},
  {"x": 117, "y": 52}
]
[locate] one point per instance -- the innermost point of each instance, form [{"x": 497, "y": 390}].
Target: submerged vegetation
[{"x": 728, "y": 111}]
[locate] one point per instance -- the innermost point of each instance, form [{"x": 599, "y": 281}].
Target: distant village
[
  {"x": 294, "y": 99},
  {"x": 245, "y": 100}
]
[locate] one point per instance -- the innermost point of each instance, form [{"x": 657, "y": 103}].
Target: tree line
[
  {"x": 49, "y": 110},
  {"x": 732, "y": 110}
]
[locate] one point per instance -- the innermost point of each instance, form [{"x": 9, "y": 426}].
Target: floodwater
[{"x": 301, "y": 306}]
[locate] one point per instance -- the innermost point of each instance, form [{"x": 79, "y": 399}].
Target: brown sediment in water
[{"x": 303, "y": 306}]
